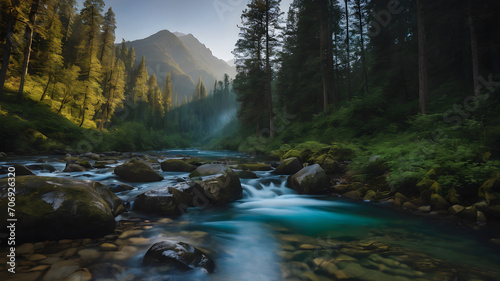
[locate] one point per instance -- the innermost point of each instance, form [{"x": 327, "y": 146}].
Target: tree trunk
[
  {"x": 349, "y": 95},
  {"x": 12, "y": 17},
  {"x": 29, "y": 40},
  {"x": 46, "y": 87},
  {"x": 323, "y": 41},
  {"x": 272, "y": 129},
  {"x": 84, "y": 104},
  {"x": 475, "y": 55},
  {"x": 362, "y": 41},
  {"x": 422, "y": 59}
]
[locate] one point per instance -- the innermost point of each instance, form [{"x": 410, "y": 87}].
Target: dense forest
[
  {"x": 411, "y": 86},
  {"x": 64, "y": 61}
]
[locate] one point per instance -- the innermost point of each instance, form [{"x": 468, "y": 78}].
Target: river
[{"x": 275, "y": 234}]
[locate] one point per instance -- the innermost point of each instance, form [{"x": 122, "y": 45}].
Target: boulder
[
  {"x": 330, "y": 166},
  {"x": 42, "y": 167},
  {"x": 180, "y": 255},
  {"x": 289, "y": 166},
  {"x": 490, "y": 190},
  {"x": 137, "y": 171},
  {"x": 456, "y": 209},
  {"x": 170, "y": 201},
  {"x": 438, "y": 202},
  {"x": 354, "y": 195},
  {"x": 177, "y": 165},
  {"x": 23, "y": 171},
  {"x": 409, "y": 206},
  {"x": 208, "y": 170},
  {"x": 245, "y": 174},
  {"x": 309, "y": 180},
  {"x": 219, "y": 183},
  {"x": 494, "y": 211},
  {"x": 119, "y": 187},
  {"x": 371, "y": 195},
  {"x": 469, "y": 213},
  {"x": 70, "y": 168},
  {"x": 50, "y": 208}
]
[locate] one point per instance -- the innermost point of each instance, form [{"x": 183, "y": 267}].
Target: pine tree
[
  {"x": 166, "y": 94},
  {"x": 422, "y": 59},
  {"x": 88, "y": 51},
  {"x": 140, "y": 82},
  {"x": 254, "y": 53},
  {"x": 200, "y": 91},
  {"x": 108, "y": 34},
  {"x": 12, "y": 17},
  {"x": 115, "y": 95},
  {"x": 30, "y": 27},
  {"x": 50, "y": 60}
]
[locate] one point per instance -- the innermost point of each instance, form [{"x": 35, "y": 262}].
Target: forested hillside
[
  {"x": 62, "y": 64},
  {"x": 411, "y": 86}
]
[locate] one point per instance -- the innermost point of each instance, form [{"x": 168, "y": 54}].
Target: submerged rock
[
  {"x": 309, "y": 180},
  {"x": 289, "y": 166},
  {"x": 137, "y": 171},
  {"x": 54, "y": 208},
  {"x": 180, "y": 255},
  {"x": 177, "y": 165}
]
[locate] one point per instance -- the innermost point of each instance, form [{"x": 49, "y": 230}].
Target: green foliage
[{"x": 136, "y": 137}]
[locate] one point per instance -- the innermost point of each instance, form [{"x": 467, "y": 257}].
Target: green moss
[{"x": 255, "y": 167}]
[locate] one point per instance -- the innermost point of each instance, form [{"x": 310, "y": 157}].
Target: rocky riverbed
[{"x": 221, "y": 216}]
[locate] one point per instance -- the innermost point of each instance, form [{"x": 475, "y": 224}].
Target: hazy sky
[{"x": 213, "y": 22}]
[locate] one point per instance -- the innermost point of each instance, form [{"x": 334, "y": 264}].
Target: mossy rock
[
  {"x": 177, "y": 165},
  {"x": 340, "y": 153},
  {"x": 332, "y": 167},
  {"x": 438, "y": 202},
  {"x": 490, "y": 190},
  {"x": 255, "y": 167},
  {"x": 289, "y": 166},
  {"x": 371, "y": 195},
  {"x": 55, "y": 208},
  {"x": 137, "y": 171}
]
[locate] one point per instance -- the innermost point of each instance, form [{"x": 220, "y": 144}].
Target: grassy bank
[{"x": 30, "y": 127}]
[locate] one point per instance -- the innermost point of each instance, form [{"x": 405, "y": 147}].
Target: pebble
[
  {"x": 42, "y": 267},
  {"x": 37, "y": 257},
  {"x": 109, "y": 247},
  {"x": 308, "y": 247},
  {"x": 50, "y": 260},
  {"x": 81, "y": 275},
  {"x": 165, "y": 220},
  {"x": 130, "y": 233},
  {"x": 26, "y": 248},
  {"x": 61, "y": 270},
  {"x": 139, "y": 241},
  {"x": 89, "y": 254},
  {"x": 70, "y": 252}
]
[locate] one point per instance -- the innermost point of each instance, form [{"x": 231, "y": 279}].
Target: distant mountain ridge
[{"x": 185, "y": 57}]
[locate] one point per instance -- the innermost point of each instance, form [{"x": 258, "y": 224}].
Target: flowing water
[{"x": 275, "y": 234}]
